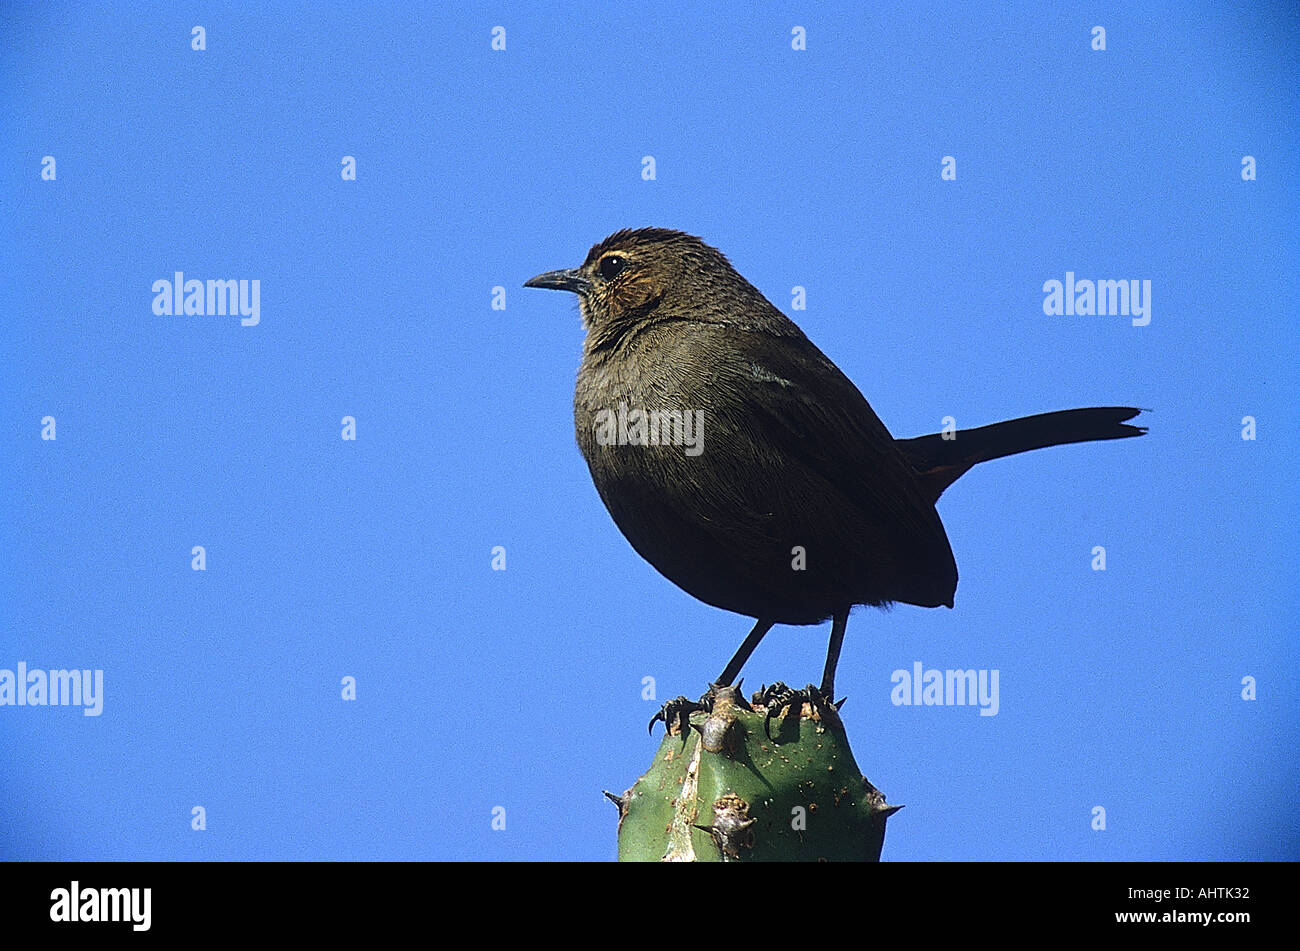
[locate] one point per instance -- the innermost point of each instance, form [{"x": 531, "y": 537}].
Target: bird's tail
[{"x": 940, "y": 462}]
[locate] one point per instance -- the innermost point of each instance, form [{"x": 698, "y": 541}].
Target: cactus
[{"x": 743, "y": 783}]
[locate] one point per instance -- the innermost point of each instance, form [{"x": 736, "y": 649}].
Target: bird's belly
[{"x": 732, "y": 530}]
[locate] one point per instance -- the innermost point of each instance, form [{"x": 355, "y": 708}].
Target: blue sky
[{"x": 476, "y": 168}]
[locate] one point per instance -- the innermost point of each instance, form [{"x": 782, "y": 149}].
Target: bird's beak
[{"x": 570, "y": 280}]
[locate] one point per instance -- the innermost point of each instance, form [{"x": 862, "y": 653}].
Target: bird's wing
[{"x": 801, "y": 404}]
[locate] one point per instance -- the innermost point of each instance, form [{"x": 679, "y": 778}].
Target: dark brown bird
[{"x": 740, "y": 462}]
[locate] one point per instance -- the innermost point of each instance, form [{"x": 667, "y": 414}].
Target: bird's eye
[{"x": 611, "y": 266}]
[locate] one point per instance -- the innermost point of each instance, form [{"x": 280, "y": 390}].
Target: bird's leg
[
  {"x": 738, "y": 661},
  {"x": 838, "y": 626},
  {"x": 679, "y": 709},
  {"x": 779, "y": 698}
]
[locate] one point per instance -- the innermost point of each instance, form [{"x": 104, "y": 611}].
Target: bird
[{"x": 740, "y": 462}]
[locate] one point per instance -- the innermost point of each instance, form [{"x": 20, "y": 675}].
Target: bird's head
[{"x": 640, "y": 275}]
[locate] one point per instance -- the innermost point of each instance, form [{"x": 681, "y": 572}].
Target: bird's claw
[
  {"x": 778, "y": 698},
  {"x": 678, "y": 711}
]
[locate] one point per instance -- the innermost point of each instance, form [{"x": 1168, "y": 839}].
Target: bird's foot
[
  {"x": 778, "y": 698},
  {"x": 676, "y": 713}
]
